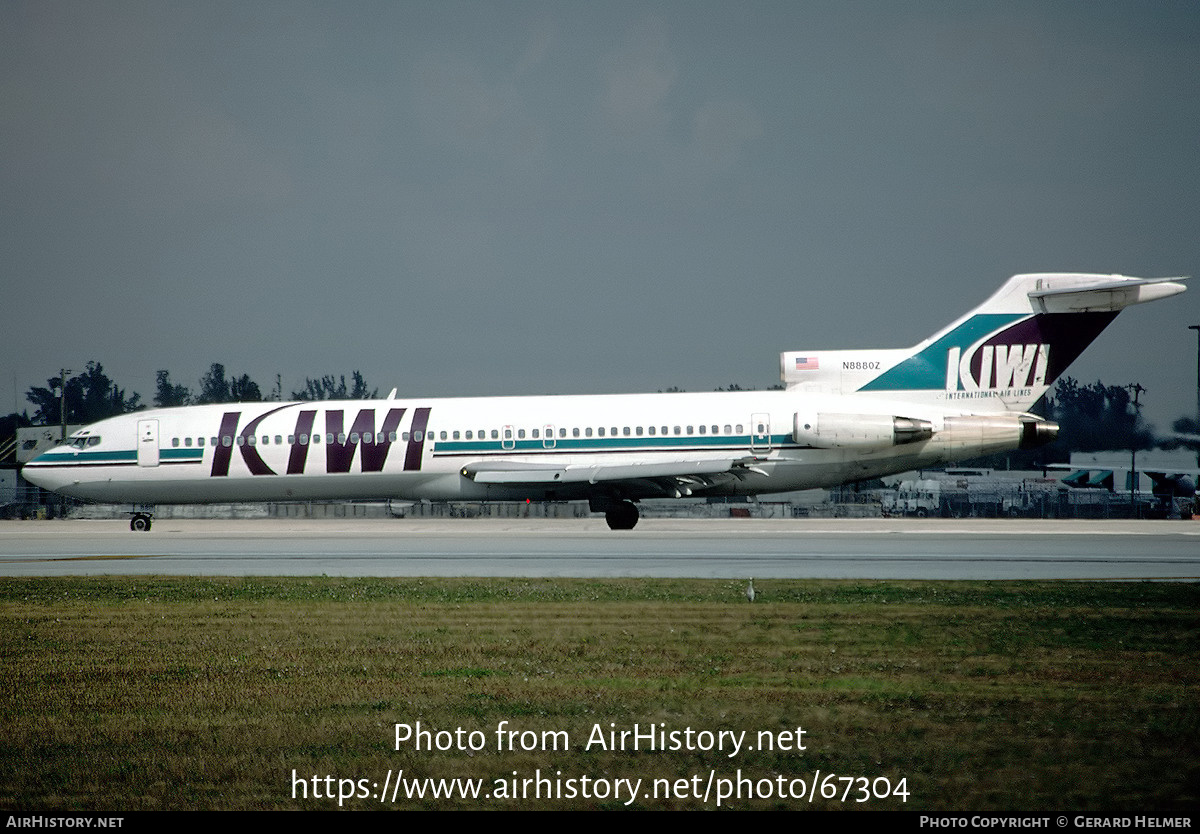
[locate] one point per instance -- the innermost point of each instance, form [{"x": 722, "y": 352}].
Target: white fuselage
[{"x": 413, "y": 449}]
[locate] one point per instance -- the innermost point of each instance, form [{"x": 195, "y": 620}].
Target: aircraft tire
[
  {"x": 140, "y": 523},
  {"x": 622, "y": 516}
]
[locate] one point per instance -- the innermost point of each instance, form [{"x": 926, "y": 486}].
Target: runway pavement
[{"x": 862, "y": 549}]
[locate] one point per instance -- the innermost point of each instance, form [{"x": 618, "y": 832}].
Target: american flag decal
[{"x": 807, "y": 363}]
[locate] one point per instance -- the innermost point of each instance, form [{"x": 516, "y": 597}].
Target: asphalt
[{"x": 726, "y": 548}]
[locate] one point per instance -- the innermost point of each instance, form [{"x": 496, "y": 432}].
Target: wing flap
[{"x": 518, "y": 472}]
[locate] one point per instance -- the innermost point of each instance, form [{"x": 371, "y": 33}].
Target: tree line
[{"x": 91, "y": 395}]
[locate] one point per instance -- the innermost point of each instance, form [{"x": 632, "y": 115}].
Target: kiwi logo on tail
[{"x": 994, "y": 367}]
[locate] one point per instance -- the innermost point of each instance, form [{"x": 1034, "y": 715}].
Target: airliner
[{"x": 842, "y": 416}]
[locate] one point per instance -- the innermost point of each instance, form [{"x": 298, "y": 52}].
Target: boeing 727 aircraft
[{"x": 844, "y": 416}]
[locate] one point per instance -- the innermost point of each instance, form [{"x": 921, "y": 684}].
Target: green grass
[{"x": 158, "y": 693}]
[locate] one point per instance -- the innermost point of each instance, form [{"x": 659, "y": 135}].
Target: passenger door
[
  {"x": 147, "y": 448},
  {"x": 760, "y": 433}
]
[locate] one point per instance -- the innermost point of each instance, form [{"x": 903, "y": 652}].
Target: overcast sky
[{"x": 569, "y": 197}]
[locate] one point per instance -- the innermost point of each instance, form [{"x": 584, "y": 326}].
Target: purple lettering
[
  {"x": 299, "y": 453},
  {"x": 340, "y": 454},
  {"x": 221, "y": 455},
  {"x": 416, "y": 440}
]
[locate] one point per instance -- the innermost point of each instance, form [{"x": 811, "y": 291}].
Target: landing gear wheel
[
  {"x": 622, "y": 516},
  {"x": 140, "y": 522}
]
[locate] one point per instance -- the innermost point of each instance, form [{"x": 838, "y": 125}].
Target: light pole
[
  {"x": 62, "y": 406},
  {"x": 1196, "y": 327},
  {"x": 1137, "y": 389}
]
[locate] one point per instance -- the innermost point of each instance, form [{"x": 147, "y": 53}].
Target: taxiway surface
[{"x": 784, "y": 549}]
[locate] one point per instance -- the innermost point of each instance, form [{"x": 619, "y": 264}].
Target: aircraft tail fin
[{"x": 1001, "y": 356}]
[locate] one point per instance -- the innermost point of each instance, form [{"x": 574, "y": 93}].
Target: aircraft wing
[{"x": 683, "y": 475}]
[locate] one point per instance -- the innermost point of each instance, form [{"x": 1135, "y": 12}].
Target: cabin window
[
  {"x": 626, "y": 431},
  {"x": 521, "y": 433},
  {"x": 739, "y": 428},
  {"x": 316, "y": 438},
  {"x": 199, "y": 441},
  {"x": 174, "y": 442},
  {"x": 495, "y": 434},
  {"x": 702, "y": 429},
  {"x": 677, "y": 430},
  {"x": 729, "y": 429},
  {"x": 442, "y": 435},
  {"x": 187, "y": 441},
  {"x": 266, "y": 440},
  {"x": 575, "y": 432},
  {"x": 279, "y": 440},
  {"x": 652, "y": 430},
  {"x": 252, "y": 440},
  {"x": 535, "y": 434},
  {"x": 329, "y": 437},
  {"x": 638, "y": 431},
  {"x": 600, "y": 432},
  {"x": 469, "y": 434},
  {"x": 303, "y": 439},
  {"x": 353, "y": 437},
  {"x": 391, "y": 437},
  {"x": 456, "y": 435},
  {"x": 418, "y": 436},
  {"x": 240, "y": 440}
]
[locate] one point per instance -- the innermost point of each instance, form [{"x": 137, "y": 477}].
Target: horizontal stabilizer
[{"x": 1100, "y": 294}]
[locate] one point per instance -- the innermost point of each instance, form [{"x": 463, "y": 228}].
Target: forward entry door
[{"x": 147, "y": 448}]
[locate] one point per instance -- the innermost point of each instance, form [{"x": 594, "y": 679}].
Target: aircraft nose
[{"x": 41, "y": 473}]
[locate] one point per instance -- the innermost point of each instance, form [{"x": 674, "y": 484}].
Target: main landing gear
[
  {"x": 140, "y": 522},
  {"x": 622, "y": 515}
]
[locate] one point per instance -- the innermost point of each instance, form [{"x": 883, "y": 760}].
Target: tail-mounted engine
[
  {"x": 998, "y": 432},
  {"x": 863, "y": 431}
]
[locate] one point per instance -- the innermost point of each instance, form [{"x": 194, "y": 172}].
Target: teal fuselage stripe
[
  {"x": 181, "y": 454},
  {"x": 116, "y": 456},
  {"x": 603, "y": 444},
  {"x": 119, "y": 456}
]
